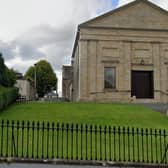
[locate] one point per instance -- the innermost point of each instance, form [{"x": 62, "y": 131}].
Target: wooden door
[{"x": 142, "y": 84}]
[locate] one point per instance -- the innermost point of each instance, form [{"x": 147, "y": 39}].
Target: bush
[{"x": 7, "y": 96}]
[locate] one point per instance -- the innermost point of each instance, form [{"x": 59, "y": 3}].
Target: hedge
[{"x": 7, "y": 97}]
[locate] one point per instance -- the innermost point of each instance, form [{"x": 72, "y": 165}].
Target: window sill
[{"x": 110, "y": 90}]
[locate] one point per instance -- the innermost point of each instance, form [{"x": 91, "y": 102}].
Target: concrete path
[{"x": 160, "y": 107}]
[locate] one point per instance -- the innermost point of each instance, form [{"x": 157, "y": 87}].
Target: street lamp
[{"x": 35, "y": 80}]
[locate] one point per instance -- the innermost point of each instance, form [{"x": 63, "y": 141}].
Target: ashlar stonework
[{"x": 133, "y": 40}]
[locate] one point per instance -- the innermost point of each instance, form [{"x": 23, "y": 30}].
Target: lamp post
[{"x": 35, "y": 80}]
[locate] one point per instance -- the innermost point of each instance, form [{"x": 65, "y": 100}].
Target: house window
[{"x": 109, "y": 77}]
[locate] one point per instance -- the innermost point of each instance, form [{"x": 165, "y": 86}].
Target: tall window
[{"x": 110, "y": 78}]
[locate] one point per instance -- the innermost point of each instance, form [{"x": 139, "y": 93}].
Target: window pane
[{"x": 110, "y": 78}]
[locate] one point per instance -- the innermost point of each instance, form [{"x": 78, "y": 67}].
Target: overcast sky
[{"x": 31, "y": 30}]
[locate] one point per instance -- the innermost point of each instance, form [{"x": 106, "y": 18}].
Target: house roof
[{"x": 89, "y": 22}]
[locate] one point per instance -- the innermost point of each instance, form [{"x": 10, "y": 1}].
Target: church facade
[{"x": 122, "y": 56}]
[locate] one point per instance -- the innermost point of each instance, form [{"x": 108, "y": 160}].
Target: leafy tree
[
  {"x": 45, "y": 77},
  {"x": 30, "y": 74},
  {"x": 11, "y": 77},
  {"x": 7, "y": 76},
  {"x": 2, "y": 70}
]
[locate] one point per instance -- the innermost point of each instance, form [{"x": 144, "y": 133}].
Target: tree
[
  {"x": 7, "y": 76},
  {"x": 45, "y": 77},
  {"x": 11, "y": 77}
]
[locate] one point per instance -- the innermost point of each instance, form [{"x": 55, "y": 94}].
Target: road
[{"x": 44, "y": 166}]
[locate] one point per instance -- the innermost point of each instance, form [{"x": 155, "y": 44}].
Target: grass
[
  {"x": 138, "y": 147},
  {"x": 3, "y": 89},
  {"x": 90, "y": 113}
]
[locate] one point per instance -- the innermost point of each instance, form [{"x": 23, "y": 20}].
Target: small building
[
  {"x": 122, "y": 56},
  {"x": 67, "y": 82},
  {"x": 26, "y": 89}
]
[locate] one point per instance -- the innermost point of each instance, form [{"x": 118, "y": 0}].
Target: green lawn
[
  {"x": 104, "y": 114},
  {"x": 74, "y": 143},
  {"x": 3, "y": 89}
]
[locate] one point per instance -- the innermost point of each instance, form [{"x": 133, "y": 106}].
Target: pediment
[{"x": 140, "y": 14}]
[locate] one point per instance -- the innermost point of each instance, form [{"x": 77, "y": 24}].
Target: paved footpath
[{"x": 45, "y": 166}]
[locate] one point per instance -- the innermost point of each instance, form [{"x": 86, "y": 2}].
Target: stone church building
[{"x": 122, "y": 56}]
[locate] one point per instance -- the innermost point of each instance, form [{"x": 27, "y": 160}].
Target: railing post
[
  {"x": 58, "y": 125},
  {"x": 156, "y": 146},
  {"x": 147, "y": 152},
  {"x": 96, "y": 142},
  {"x": 23, "y": 123},
  {"x": 2, "y": 136},
  {"x": 133, "y": 144},
  {"x": 114, "y": 133},
  {"x": 124, "y": 158},
  {"x": 38, "y": 128},
  {"x": 67, "y": 129},
  {"x": 110, "y": 150},
  {"x": 100, "y": 132},
  {"x": 62, "y": 148},
  {"x": 33, "y": 124},
  {"x": 138, "y": 147},
  {"x": 43, "y": 124},
  {"x": 71, "y": 141},
  {"x": 91, "y": 127},
  {"x": 77, "y": 142},
  {"x": 81, "y": 141},
  {"x": 105, "y": 150},
  {"x": 18, "y": 125},
  {"x": 53, "y": 127},
  {"x": 13, "y": 150},
  {"x": 7, "y": 143},
  {"x": 151, "y": 139},
  {"x": 119, "y": 145},
  {"x": 86, "y": 132},
  {"x": 160, "y": 139},
  {"x": 142, "y": 134},
  {"x": 48, "y": 131},
  {"x": 128, "y": 134}
]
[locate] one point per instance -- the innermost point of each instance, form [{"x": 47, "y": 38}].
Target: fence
[{"x": 82, "y": 142}]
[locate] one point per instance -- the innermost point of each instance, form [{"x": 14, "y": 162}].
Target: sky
[{"x": 31, "y": 30}]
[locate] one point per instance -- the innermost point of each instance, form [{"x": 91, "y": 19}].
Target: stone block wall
[{"x": 126, "y": 50}]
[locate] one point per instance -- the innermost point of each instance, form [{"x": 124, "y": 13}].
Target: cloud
[
  {"x": 45, "y": 34},
  {"x": 46, "y": 42},
  {"x": 20, "y": 64},
  {"x": 54, "y": 41},
  {"x": 20, "y": 15},
  {"x": 35, "y": 30},
  {"x": 123, "y": 2},
  {"x": 8, "y": 50}
]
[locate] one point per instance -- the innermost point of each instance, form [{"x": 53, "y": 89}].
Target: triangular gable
[{"x": 140, "y": 14}]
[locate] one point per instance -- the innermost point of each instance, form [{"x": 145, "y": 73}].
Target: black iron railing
[{"x": 33, "y": 140}]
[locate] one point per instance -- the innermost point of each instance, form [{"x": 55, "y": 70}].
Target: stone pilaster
[
  {"x": 100, "y": 70},
  {"x": 156, "y": 61},
  {"x": 127, "y": 65},
  {"x": 92, "y": 63},
  {"x": 83, "y": 70}
]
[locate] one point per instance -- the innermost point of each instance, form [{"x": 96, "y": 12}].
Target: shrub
[{"x": 7, "y": 96}]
